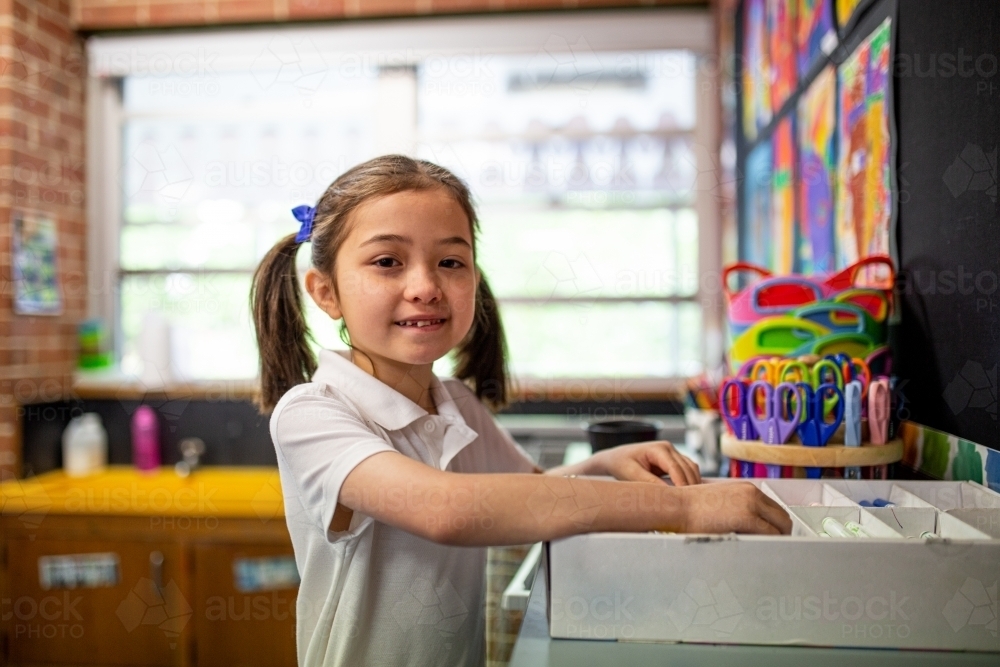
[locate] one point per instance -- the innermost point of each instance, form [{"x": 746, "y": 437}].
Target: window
[{"x": 580, "y": 153}]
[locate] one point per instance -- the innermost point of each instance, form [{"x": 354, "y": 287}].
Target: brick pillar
[{"x": 42, "y": 81}]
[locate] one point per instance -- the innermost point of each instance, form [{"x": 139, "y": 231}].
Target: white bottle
[{"x": 85, "y": 445}]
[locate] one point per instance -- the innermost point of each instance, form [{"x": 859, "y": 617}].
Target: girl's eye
[
  {"x": 386, "y": 262},
  {"x": 451, "y": 264}
]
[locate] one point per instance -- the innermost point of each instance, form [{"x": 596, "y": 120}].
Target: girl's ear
[{"x": 320, "y": 288}]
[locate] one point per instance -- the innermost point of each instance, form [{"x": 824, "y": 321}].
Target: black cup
[{"x": 603, "y": 435}]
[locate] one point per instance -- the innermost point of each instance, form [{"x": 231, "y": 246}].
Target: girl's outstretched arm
[{"x": 496, "y": 509}]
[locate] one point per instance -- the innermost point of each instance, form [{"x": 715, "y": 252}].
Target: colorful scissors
[
  {"x": 771, "y": 426},
  {"x": 733, "y": 403},
  {"x": 878, "y": 419},
  {"x": 852, "y": 423},
  {"x": 814, "y": 430},
  {"x": 827, "y": 370},
  {"x": 794, "y": 371},
  {"x": 733, "y": 400},
  {"x": 770, "y": 367}
]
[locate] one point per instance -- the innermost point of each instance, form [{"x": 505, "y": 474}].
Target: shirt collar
[
  {"x": 380, "y": 402},
  {"x": 389, "y": 408}
]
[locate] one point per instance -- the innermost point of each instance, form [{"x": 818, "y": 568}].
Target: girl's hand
[
  {"x": 726, "y": 507},
  {"x": 646, "y": 462}
]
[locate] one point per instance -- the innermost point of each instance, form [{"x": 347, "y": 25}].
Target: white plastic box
[{"x": 892, "y": 590}]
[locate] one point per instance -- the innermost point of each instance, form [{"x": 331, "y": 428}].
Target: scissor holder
[
  {"x": 925, "y": 578},
  {"x": 797, "y": 455}
]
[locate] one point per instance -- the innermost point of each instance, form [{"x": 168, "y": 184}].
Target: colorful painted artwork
[
  {"x": 943, "y": 456},
  {"x": 817, "y": 123},
  {"x": 755, "y": 232},
  {"x": 35, "y": 277},
  {"x": 783, "y": 198},
  {"x": 816, "y": 35},
  {"x": 781, "y": 50},
  {"x": 756, "y": 71},
  {"x": 864, "y": 192},
  {"x": 845, "y": 10}
]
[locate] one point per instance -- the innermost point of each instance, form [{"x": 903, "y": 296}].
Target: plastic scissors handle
[
  {"x": 733, "y": 403},
  {"x": 861, "y": 371},
  {"x": 813, "y": 429},
  {"x": 852, "y": 413},
  {"x": 822, "y": 365},
  {"x": 878, "y": 411},
  {"x": 852, "y": 421},
  {"x": 824, "y": 428},
  {"x": 791, "y": 367},
  {"x": 772, "y": 427},
  {"x": 740, "y": 267},
  {"x": 848, "y": 278},
  {"x": 769, "y": 366}
]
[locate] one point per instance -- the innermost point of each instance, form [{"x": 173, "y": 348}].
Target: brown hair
[{"x": 283, "y": 336}]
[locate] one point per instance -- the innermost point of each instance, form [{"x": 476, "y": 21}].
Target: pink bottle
[{"x": 145, "y": 439}]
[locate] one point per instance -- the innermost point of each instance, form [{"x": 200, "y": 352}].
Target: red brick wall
[
  {"x": 41, "y": 168},
  {"x": 104, "y": 14}
]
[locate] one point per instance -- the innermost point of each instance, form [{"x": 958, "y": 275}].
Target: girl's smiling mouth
[{"x": 422, "y": 323}]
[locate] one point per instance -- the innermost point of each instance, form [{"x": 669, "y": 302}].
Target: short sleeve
[{"x": 321, "y": 440}]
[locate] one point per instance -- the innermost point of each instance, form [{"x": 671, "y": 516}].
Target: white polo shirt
[{"x": 375, "y": 594}]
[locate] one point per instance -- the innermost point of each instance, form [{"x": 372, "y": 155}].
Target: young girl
[{"x": 381, "y": 461}]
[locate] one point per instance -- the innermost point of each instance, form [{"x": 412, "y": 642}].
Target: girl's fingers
[
  {"x": 675, "y": 466},
  {"x": 762, "y": 527},
  {"x": 775, "y": 515},
  {"x": 693, "y": 467},
  {"x": 667, "y": 463},
  {"x": 637, "y": 473},
  {"x": 691, "y": 473}
]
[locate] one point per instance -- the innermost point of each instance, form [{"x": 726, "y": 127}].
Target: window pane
[
  {"x": 211, "y": 332},
  {"x": 588, "y": 253},
  {"x": 219, "y": 171},
  {"x": 603, "y": 340},
  {"x": 581, "y": 164}
]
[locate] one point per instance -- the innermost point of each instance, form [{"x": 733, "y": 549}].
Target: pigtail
[
  {"x": 280, "y": 323},
  {"x": 482, "y": 356}
]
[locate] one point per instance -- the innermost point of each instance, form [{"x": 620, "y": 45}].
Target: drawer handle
[{"x": 156, "y": 569}]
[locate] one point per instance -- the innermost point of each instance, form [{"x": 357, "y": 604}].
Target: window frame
[{"x": 112, "y": 57}]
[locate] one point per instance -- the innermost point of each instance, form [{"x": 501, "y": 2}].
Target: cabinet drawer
[
  {"x": 139, "y": 617},
  {"x": 237, "y": 625}
]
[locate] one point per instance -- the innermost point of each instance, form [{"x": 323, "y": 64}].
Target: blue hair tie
[{"x": 304, "y": 214}]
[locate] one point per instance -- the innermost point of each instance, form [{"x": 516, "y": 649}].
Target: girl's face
[{"x": 405, "y": 275}]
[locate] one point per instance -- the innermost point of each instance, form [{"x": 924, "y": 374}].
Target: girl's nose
[{"x": 422, "y": 285}]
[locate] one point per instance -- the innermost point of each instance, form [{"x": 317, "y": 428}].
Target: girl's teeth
[{"x": 421, "y": 323}]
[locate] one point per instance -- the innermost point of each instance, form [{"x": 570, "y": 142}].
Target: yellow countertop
[{"x": 220, "y": 492}]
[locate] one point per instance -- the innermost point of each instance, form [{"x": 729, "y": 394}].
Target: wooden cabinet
[
  {"x": 241, "y": 627},
  {"x": 106, "y": 624},
  {"x": 175, "y": 600}
]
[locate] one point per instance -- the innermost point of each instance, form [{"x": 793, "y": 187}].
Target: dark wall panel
[{"x": 948, "y": 129}]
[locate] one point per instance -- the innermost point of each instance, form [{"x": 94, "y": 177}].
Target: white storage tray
[{"x": 894, "y": 589}]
